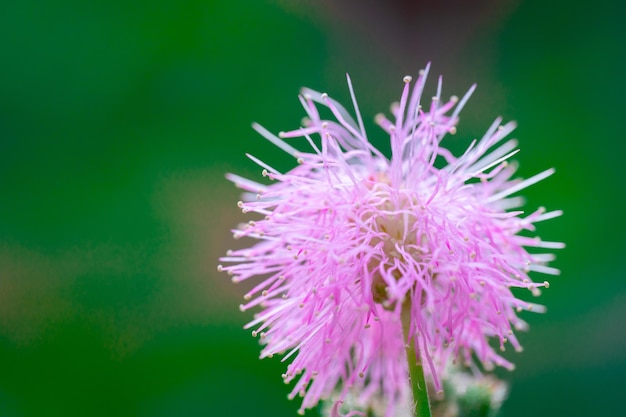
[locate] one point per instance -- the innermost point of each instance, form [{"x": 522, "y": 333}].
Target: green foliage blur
[{"x": 118, "y": 120}]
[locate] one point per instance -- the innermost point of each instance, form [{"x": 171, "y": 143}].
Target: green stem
[{"x": 416, "y": 369}]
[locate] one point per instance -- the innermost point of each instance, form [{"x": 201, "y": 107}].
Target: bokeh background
[{"x": 118, "y": 120}]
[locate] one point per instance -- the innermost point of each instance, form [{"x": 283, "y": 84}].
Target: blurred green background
[{"x": 118, "y": 120}]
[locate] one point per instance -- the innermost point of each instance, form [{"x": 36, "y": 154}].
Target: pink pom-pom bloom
[{"x": 349, "y": 238}]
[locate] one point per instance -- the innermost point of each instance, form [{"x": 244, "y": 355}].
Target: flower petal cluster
[{"x": 350, "y": 238}]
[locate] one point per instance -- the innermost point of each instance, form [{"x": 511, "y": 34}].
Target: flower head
[{"x": 349, "y": 239}]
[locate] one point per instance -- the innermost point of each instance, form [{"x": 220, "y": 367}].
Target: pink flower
[{"x": 349, "y": 236}]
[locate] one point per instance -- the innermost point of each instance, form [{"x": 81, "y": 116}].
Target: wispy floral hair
[{"x": 350, "y": 240}]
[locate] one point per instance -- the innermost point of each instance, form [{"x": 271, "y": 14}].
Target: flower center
[{"x": 390, "y": 224}]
